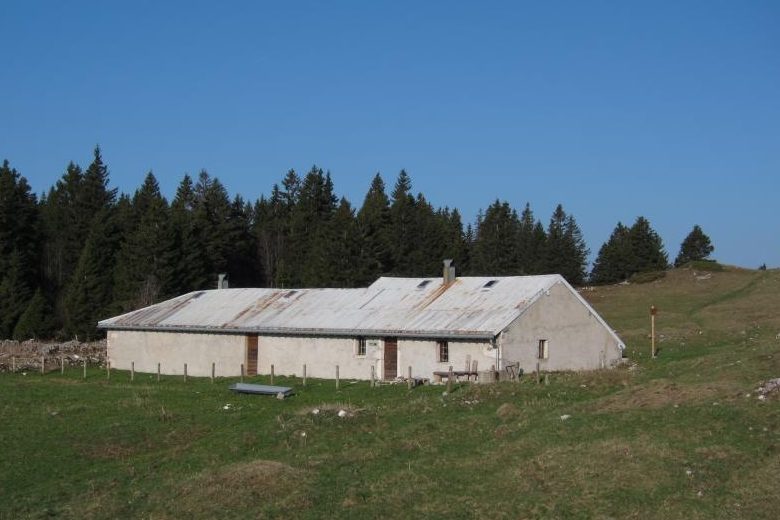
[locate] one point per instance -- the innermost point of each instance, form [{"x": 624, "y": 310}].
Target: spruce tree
[
  {"x": 186, "y": 255},
  {"x": 614, "y": 262},
  {"x": 566, "y": 252},
  {"x": 63, "y": 232},
  {"x": 647, "y": 249},
  {"x": 15, "y": 293},
  {"x": 36, "y": 321},
  {"x": 402, "y": 226},
  {"x": 89, "y": 295},
  {"x": 142, "y": 273},
  {"x": 495, "y": 246},
  {"x": 373, "y": 221},
  {"x": 19, "y": 247},
  {"x": 696, "y": 246},
  {"x": 629, "y": 251}
]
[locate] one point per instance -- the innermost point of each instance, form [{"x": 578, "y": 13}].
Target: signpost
[{"x": 653, "y": 312}]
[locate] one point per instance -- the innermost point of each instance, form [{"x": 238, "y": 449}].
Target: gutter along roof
[{"x": 404, "y": 307}]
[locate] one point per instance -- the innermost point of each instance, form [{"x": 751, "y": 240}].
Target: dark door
[
  {"x": 391, "y": 358},
  {"x": 251, "y": 355}
]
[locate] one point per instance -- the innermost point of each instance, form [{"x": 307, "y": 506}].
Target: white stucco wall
[
  {"x": 173, "y": 349},
  {"x": 287, "y": 354},
  {"x": 576, "y": 338},
  {"x": 320, "y": 355},
  {"x": 423, "y": 356}
]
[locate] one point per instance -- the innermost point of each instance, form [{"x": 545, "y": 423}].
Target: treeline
[{"x": 82, "y": 252}]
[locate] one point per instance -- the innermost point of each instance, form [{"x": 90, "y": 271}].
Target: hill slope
[{"x": 680, "y": 436}]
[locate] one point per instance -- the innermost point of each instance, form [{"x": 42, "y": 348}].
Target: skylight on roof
[
  {"x": 423, "y": 284},
  {"x": 489, "y": 284}
]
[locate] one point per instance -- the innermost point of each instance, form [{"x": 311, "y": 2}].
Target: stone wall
[{"x": 26, "y": 355}]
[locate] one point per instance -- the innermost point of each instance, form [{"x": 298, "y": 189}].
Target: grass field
[{"x": 679, "y": 436}]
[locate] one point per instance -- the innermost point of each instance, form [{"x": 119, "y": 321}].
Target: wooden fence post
[
  {"x": 538, "y": 373},
  {"x": 85, "y": 369},
  {"x": 242, "y": 372},
  {"x": 304, "y": 374},
  {"x": 108, "y": 370},
  {"x": 132, "y": 371},
  {"x": 272, "y": 374},
  {"x": 213, "y": 369},
  {"x": 373, "y": 377},
  {"x": 185, "y": 372},
  {"x": 158, "y": 372},
  {"x": 43, "y": 365},
  {"x": 409, "y": 380},
  {"x": 13, "y": 364},
  {"x": 62, "y": 364},
  {"x": 337, "y": 377},
  {"x": 449, "y": 380}
]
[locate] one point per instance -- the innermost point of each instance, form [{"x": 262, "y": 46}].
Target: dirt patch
[
  {"x": 661, "y": 393},
  {"x": 267, "y": 487}
]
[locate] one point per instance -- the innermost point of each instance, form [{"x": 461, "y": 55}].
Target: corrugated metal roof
[{"x": 468, "y": 307}]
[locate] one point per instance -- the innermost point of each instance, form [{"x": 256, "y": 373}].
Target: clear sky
[{"x": 669, "y": 110}]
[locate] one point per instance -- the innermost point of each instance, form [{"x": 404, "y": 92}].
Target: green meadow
[{"x": 683, "y": 435}]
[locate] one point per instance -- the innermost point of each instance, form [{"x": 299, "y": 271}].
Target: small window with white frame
[
  {"x": 543, "y": 352},
  {"x": 443, "y": 348},
  {"x": 360, "y": 347}
]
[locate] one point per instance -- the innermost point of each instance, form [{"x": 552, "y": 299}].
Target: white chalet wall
[{"x": 576, "y": 338}]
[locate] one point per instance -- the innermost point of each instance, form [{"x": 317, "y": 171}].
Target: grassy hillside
[{"x": 680, "y": 436}]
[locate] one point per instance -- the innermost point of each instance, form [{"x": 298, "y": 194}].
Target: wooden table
[{"x": 439, "y": 374}]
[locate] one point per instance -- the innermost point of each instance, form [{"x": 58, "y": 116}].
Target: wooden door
[
  {"x": 251, "y": 355},
  {"x": 391, "y": 358}
]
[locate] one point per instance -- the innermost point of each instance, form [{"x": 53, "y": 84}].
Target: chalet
[{"x": 426, "y": 323}]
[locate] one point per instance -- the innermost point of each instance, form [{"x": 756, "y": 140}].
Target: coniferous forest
[{"x": 82, "y": 251}]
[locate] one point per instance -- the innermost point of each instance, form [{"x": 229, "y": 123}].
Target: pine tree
[
  {"x": 373, "y": 220},
  {"x": 495, "y": 247},
  {"x": 15, "y": 293},
  {"x": 186, "y": 256},
  {"x": 89, "y": 295},
  {"x": 19, "y": 247},
  {"x": 211, "y": 216},
  {"x": 531, "y": 243},
  {"x": 647, "y": 248},
  {"x": 63, "y": 233},
  {"x": 36, "y": 321},
  {"x": 342, "y": 258},
  {"x": 629, "y": 251},
  {"x": 310, "y": 225},
  {"x": 143, "y": 272},
  {"x": 402, "y": 224},
  {"x": 696, "y": 246},
  {"x": 243, "y": 264},
  {"x": 614, "y": 262},
  {"x": 566, "y": 252}
]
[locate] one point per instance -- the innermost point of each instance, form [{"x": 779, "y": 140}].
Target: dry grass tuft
[
  {"x": 507, "y": 411},
  {"x": 660, "y": 393},
  {"x": 265, "y": 486}
]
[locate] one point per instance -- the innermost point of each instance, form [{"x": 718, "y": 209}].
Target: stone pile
[{"x": 27, "y": 355}]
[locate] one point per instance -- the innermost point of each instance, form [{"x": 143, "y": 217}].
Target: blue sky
[{"x": 669, "y": 110}]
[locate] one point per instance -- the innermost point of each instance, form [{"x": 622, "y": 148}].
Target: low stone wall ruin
[{"x": 28, "y": 355}]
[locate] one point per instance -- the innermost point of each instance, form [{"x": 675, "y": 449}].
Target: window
[
  {"x": 422, "y": 284},
  {"x": 489, "y": 284},
  {"x": 444, "y": 350},
  {"x": 360, "y": 349},
  {"x": 543, "y": 352}
]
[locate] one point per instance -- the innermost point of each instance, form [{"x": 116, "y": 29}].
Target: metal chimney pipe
[
  {"x": 222, "y": 282},
  {"x": 448, "y": 274}
]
